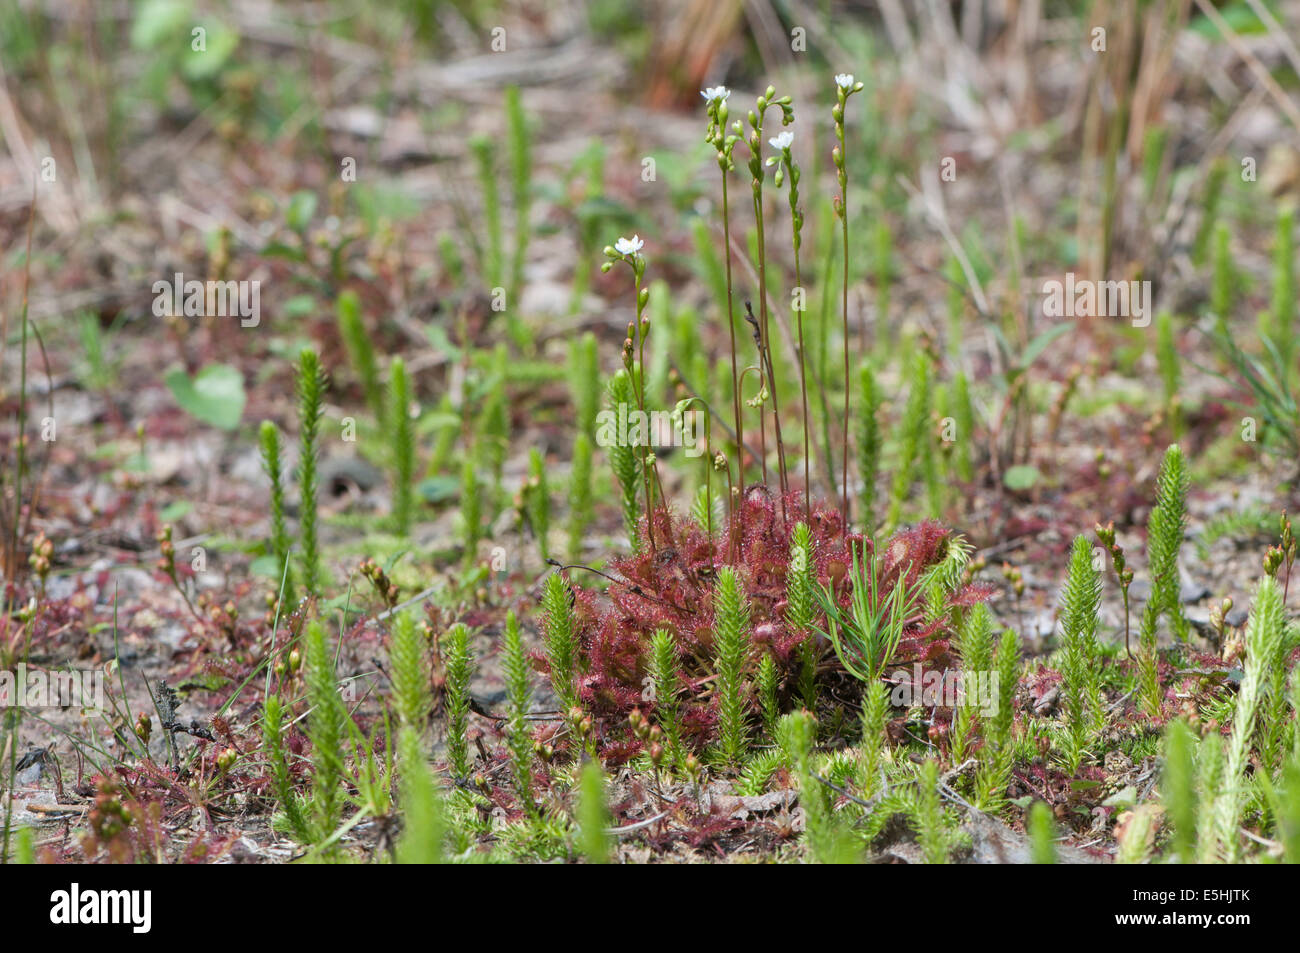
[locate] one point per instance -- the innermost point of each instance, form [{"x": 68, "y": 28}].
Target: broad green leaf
[
  {"x": 302, "y": 206},
  {"x": 268, "y": 566},
  {"x": 1021, "y": 477},
  {"x": 300, "y": 306},
  {"x": 439, "y": 489},
  {"x": 174, "y": 511},
  {"x": 215, "y": 395},
  {"x": 438, "y": 338},
  {"x": 1039, "y": 344},
  {"x": 221, "y": 41},
  {"x": 157, "y": 21}
]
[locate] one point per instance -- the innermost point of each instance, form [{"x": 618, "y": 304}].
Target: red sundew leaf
[
  {"x": 619, "y": 753},
  {"x": 971, "y": 595},
  {"x": 936, "y": 650},
  {"x": 671, "y": 587}
]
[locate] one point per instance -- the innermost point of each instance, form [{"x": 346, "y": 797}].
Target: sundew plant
[{"x": 449, "y": 433}]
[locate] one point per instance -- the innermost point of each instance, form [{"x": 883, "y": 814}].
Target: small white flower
[
  {"x": 715, "y": 92},
  {"x": 628, "y": 246},
  {"x": 783, "y": 141},
  {"x": 844, "y": 80}
]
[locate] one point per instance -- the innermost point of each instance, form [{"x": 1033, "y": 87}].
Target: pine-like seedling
[
  {"x": 935, "y": 488},
  {"x": 1264, "y": 632},
  {"x": 1223, "y": 279},
  {"x": 361, "y": 352},
  {"x": 24, "y": 848},
  {"x": 422, "y": 832},
  {"x": 494, "y": 425},
  {"x": 326, "y": 724},
  {"x": 593, "y": 815},
  {"x": 994, "y": 772},
  {"x": 584, "y": 383},
  {"x": 402, "y": 444},
  {"x": 539, "y": 501},
  {"x": 875, "y": 718},
  {"x": 280, "y": 544},
  {"x": 1136, "y": 830},
  {"x": 768, "y": 681},
  {"x": 580, "y": 506},
  {"x": 411, "y": 700},
  {"x": 624, "y": 458},
  {"x": 1295, "y": 710},
  {"x": 459, "y": 669},
  {"x": 1164, "y": 537},
  {"x": 444, "y": 442},
  {"x": 1170, "y": 365},
  {"x": 1042, "y": 833},
  {"x": 519, "y": 702},
  {"x": 1282, "y": 309},
  {"x": 561, "y": 639},
  {"x": 1288, "y": 817},
  {"x": 928, "y": 816},
  {"x": 1155, "y": 143},
  {"x": 665, "y": 677},
  {"x": 1210, "y": 224},
  {"x": 1276, "y": 721},
  {"x": 1178, "y": 789},
  {"x": 492, "y": 261},
  {"x": 423, "y": 826},
  {"x": 868, "y": 443},
  {"x": 471, "y": 504},
  {"x": 974, "y": 644},
  {"x": 956, "y": 303},
  {"x": 521, "y": 174},
  {"x": 913, "y": 436},
  {"x": 731, "y": 641},
  {"x": 796, "y": 733},
  {"x": 1080, "y": 655},
  {"x": 800, "y": 606},
  {"x": 274, "y": 747},
  {"x": 453, "y": 265},
  {"x": 1209, "y": 786},
  {"x": 310, "y": 384},
  {"x": 1148, "y": 673},
  {"x": 706, "y": 510},
  {"x": 963, "y": 413}
]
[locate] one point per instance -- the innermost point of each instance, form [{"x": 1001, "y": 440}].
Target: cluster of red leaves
[
  {"x": 131, "y": 821},
  {"x": 671, "y": 587}
]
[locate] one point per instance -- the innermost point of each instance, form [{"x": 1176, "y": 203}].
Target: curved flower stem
[
  {"x": 765, "y": 345},
  {"x": 803, "y": 372},
  {"x": 844, "y": 310},
  {"x": 762, "y": 430},
  {"x": 708, "y": 461},
  {"x": 846, "y": 87},
  {"x": 734, "y": 526},
  {"x": 639, "y": 383}
]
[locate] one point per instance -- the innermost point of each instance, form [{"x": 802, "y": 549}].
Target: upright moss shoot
[
  {"x": 311, "y": 383},
  {"x": 280, "y": 542},
  {"x": 731, "y": 639}
]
